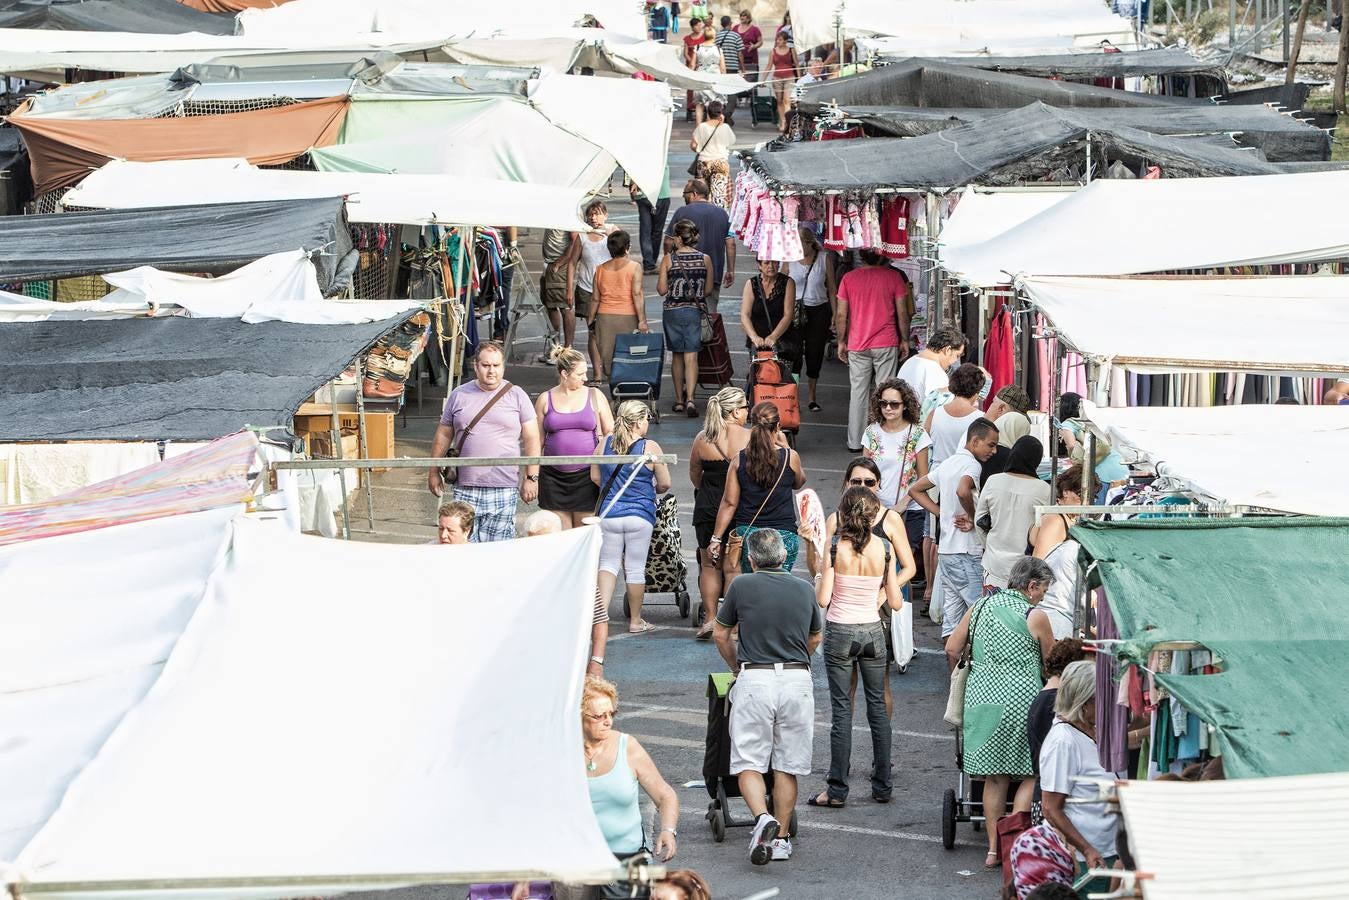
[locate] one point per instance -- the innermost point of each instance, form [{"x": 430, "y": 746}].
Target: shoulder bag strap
[
  {"x": 909, "y": 442},
  {"x": 967, "y": 654},
  {"x": 708, "y": 140},
  {"x": 463, "y": 435},
  {"x": 786, "y": 462}
]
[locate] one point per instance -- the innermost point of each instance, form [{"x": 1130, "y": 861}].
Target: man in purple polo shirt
[{"x": 509, "y": 428}]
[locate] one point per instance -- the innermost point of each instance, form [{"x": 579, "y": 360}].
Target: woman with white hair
[
  {"x": 1069, "y": 761},
  {"x": 1009, "y": 640}
]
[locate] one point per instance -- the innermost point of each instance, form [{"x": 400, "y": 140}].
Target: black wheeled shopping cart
[
  {"x": 965, "y": 802},
  {"x": 721, "y": 784}
]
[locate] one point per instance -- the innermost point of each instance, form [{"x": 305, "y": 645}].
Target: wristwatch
[
  {"x": 531, "y": 478},
  {"x": 597, "y": 660},
  {"x": 673, "y": 832}
]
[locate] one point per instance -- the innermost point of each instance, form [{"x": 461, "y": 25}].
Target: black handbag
[{"x": 693, "y": 166}]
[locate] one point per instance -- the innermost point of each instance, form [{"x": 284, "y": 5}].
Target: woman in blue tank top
[
  {"x": 627, "y": 507},
  {"x": 615, "y": 765}
]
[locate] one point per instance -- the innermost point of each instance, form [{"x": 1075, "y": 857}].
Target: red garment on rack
[
  {"x": 835, "y": 224},
  {"x": 999, "y": 358},
  {"x": 842, "y": 134},
  {"x": 895, "y": 228}
]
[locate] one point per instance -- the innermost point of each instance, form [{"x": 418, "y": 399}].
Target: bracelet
[
  {"x": 673, "y": 833},
  {"x": 716, "y": 539}
]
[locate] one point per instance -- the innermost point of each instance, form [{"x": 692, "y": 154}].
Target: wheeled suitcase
[
  {"x": 666, "y": 570},
  {"x": 771, "y": 379},
  {"x": 714, "y": 359},
  {"x": 639, "y": 363}
]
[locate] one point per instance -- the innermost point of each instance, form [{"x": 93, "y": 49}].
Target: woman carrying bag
[
  {"x": 767, "y": 306},
  {"x": 712, "y": 142}
]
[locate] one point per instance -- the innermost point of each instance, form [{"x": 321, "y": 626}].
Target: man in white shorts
[{"x": 773, "y": 700}]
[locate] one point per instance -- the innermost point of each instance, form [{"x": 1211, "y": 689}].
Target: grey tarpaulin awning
[
  {"x": 167, "y": 378},
  {"x": 211, "y": 239},
  {"x": 1280, "y": 137},
  {"x": 923, "y": 82},
  {"x": 1036, "y": 142},
  {"x": 1095, "y": 64},
  {"x": 139, "y": 16}
]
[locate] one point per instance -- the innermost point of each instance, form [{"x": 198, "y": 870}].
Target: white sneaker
[
  {"x": 760, "y": 842},
  {"x": 781, "y": 849}
]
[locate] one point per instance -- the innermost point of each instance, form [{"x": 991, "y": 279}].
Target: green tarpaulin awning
[{"x": 1267, "y": 596}]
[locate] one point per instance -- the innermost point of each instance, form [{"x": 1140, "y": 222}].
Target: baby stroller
[
  {"x": 965, "y": 802},
  {"x": 721, "y": 784}
]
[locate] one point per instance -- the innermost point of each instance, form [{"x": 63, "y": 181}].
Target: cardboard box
[
  {"x": 379, "y": 430},
  {"x": 320, "y": 445}
]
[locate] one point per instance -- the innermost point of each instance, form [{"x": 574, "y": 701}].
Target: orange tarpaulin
[
  {"x": 231, "y": 6},
  {"x": 63, "y": 151}
]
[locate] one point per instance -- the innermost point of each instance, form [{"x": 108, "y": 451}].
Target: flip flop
[
  {"x": 995, "y": 864},
  {"x": 643, "y": 628},
  {"x": 813, "y": 406},
  {"x": 828, "y": 802}
]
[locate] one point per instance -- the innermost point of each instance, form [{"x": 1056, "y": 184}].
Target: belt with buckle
[{"x": 791, "y": 665}]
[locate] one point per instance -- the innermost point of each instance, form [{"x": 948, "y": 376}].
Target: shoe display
[
  {"x": 381, "y": 388},
  {"x": 765, "y": 832},
  {"x": 781, "y": 849}
]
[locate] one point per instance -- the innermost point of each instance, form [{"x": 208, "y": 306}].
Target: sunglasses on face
[
  {"x": 891, "y": 404},
  {"x": 862, "y": 482},
  {"x": 600, "y": 717}
]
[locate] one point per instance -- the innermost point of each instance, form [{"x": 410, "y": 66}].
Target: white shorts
[{"x": 772, "y": 721}]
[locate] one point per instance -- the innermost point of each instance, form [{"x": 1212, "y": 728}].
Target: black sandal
[
  {"x": 828, "y": 802},
  {"x": 813, "y": 406}
]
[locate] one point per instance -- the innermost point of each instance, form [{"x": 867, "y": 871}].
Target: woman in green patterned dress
[{"x": 1010, "y": 639}]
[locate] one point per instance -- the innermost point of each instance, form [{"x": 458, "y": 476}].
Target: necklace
[{"x": 591, "y": 765}]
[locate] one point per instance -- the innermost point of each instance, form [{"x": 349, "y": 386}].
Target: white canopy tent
[
  {"x": 1252, "y": 220},
  {"x": 282, "y": 287},
  {"x": 228, "y": 770},
  {"x": 955, "y": 26},
  {"x": 1273, "y": 457},
  {"x": 24, "y": 50},
  {"x": 1292, "y": 324},
  {"x": 561, "y": 50},
  {"x": 347, "y": 17},
  {"x": 1194, "y": 839},
  {"x": 984, "y": 212},
  {"x": 371, "y": 197}
]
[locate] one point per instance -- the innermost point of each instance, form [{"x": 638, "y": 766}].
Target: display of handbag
[{"x": 955, "y": 700}]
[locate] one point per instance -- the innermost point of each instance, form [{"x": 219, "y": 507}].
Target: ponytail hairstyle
[
  {"x": 567, "y": 359},
  {"x": 856, "y": 511},
  {"x": 720, "y": 407},
  {"x": 761, "y": 456},
  {"x": 629, "y": 417}
]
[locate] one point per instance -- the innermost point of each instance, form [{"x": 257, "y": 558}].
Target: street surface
[{"x": 865, "y": 851}]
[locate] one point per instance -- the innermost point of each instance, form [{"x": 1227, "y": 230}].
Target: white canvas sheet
[
  {"x": 86, "y": 622},
  {"x": 1191, "y": 837},
  {"x": 348, "y": 17},
  {"x": 1111, "y": 228},
  {"x": 371, "y": 197},
  {"x": 33, "y": 472},
  {"x": 967, "y": 23},
  {"x": 506, "y": 141},
  {"x": 1279, "y": 324},
  {"x": 1276, "y": 457},
  {"x": 985, "y": 212},
  {"x": 560, "y": 50},
  {"x": 313, "y": 722},
  {"x": 33, "y": 50}
]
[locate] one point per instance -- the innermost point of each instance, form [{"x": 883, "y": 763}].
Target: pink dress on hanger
[{"x": 835, "y": 227}]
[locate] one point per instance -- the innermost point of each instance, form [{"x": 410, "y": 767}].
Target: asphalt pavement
[{"x": 864, "y": 851}]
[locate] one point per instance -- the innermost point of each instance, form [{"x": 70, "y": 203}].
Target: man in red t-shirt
[{"x": 873, "y": 329}]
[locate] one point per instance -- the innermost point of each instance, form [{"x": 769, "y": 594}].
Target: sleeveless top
[
  {"x": 570, "y": 433},
  {"x": 779, "y": 511},
  {"x": 765, "y": 308},
  {"x": 613, "y": 798},
  {"x": 593, "y": 254},
  {"x": 707, "y": 497},
  {"x": 855, "y": 599},
  {"x": 811, "y": 289},
  {"x": 613, "y": 291},
  {"x": 640, "y": 498},
  {"x": 686, "y": 281}
]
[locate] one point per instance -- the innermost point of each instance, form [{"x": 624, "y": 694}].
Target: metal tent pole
[
  {"x": 364, "y": 443},
  {"x": 337, "y": 453}
]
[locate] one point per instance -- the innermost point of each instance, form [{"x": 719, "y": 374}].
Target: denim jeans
[
  {"x": 962, "y": 584},
  {"x": 651, "y": 229},
  {"x": 838, "y": 661}
]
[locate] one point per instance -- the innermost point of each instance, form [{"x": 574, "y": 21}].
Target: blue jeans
[
  {"x": 651, "y": 229},
  {"x": 839, "y": 640},
  {"x": 962, "y": 584}
]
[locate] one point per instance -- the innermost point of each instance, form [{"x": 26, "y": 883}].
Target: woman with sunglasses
[
  {"x": 886, "y": 523},
  {"x": 615, "y": 765},
  {"x": 894, "y": 441}
]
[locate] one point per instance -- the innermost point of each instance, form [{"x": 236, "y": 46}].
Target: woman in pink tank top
[
  {"x": 857, "y": 580},
  {"x": 572, "y": 419}
]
